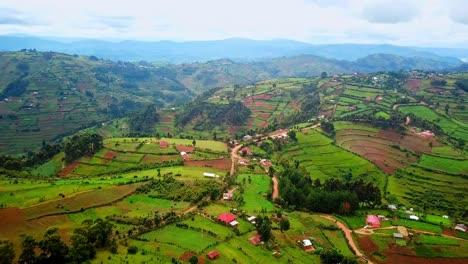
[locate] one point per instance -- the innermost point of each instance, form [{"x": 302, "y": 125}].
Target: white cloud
[{"x": 411, "y": 22}]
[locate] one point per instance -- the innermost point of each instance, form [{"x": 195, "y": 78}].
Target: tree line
[
  {"x": 78, "y": 146},
  {"x": 333, "y": 196},
  {"x": 85, "y": 240}
]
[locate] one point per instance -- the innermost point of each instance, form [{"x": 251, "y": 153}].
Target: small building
[
  {"x": 184, "y": 155},
  {"x": 227, "y": 218},
  {"x": 163, "y": 144},
  {"x": 247, "y": 137},
  {"x": 381, "y": 217},
  {"x": 414, "y": 217},
  {"x": 373, "y": 221},
  {"x": 427, "y": 134},
  {"x": 461, "y": 227},
  {"x": 445, "y": 216},
  {"x": 378, "y": 99},
  {"x": 397, "y": 236},
  {"x": 234, "y": 223},
  {"x": 247, "y": 151},
  {"x": 227, "y": 196},
  {"x": 392, "y": 207},
  {"x": 252, "y": 219},
  {"x": 403, "y": 231},
  {"x": 210, "y": 175},
  {"x": 213, "y": 254},
  {"x": 306, "y": 245},
  {"x": 255, "y": 240}
]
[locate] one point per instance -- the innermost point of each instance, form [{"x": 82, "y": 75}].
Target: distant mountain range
[{"x": 234, "y": 48}]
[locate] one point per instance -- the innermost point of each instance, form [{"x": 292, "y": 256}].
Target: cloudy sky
[{"x": 402, "y": 22}]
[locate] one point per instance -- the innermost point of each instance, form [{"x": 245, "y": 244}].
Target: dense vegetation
[
  {"x": 333, "y": 196},
  {"x": 79, "y": 145}
]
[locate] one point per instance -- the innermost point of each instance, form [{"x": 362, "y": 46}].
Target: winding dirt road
[
  {"x": 234, "y": 158},
  {"x": 275, "y": 188},
  {"x": 348, "y": 234}
]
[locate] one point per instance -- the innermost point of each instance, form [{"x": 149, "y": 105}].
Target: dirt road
[
  {"x": 348, "y": 234},
  {"x": 275, "y": 188},
  {"x": 234, "y": 158}
]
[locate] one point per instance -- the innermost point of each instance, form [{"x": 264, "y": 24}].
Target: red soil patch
[
  {"x": 367, "y": 245},
  {"x": 110, "y": 154},
  {"x": 414, "y": 85},
  {"x": 221, "y": 164},
  {"x": 412, "y": 142},
  {"x": 69, "y": 168},
  {"x": 435, "y": 90},
  {"x": 186, "y": 149},
  {"x": 448, "y": 232},
  {"x": 11, "y": 216},
  {"x": 338, "y": 91},
  {"x": 327, "y": 85},
  {"x": 250, "y": 99},
  {"x": 187, "y": 255},
  {"x": 158, "y": 159}
]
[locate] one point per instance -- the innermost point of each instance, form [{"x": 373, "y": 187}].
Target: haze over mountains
[{"x": 233, "y": 48}]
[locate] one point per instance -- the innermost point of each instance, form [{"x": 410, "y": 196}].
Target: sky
[{"x": 441, "y": 23}]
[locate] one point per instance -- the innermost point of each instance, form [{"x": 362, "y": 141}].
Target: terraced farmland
[{"x": 320, "y": 158}]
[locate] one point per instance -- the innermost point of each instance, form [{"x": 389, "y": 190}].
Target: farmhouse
[
  {"x": 373, "y": 221},
  {"x": 266, "y": 162},
  {"x": 227, "y": 196},
  {"x": 252, "y": 219},
  {"x": 247, "y": 151},
  {"x": 163, "y": 144},
  {"x": 184, "y": 155},
  {"x": 247, "y": 137},
  {"x": 213, "y": 254},
  {"x": 234, "y": 223},
  {"x": 461, "y": 227},
  {"x": 392, "y": 207},
  {"x": 414, "y": 217},
  {"x": 255, "y": 240},
  {"x": 227, "y": 218},
  {"x": 397, "y": 236},
  {"x": 306, "y": 245}
]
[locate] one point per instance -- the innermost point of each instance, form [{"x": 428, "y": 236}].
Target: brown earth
[
  {"x": 448, "y": 232},
  {"x": 435, "y": 90},
  {"x": 221, "y": 164},
  {"x": 110, "y": 154},
  {"x": 69, "y": 169},
  {"x": 328, "y": 85},
  {"x": 187, "y": 149},
  {"x": 11, "y": 216},
  {"x": 367, "y": 245},
  {"x": 338, "y": 91},
  {"x": 187, "y": 255},
  {"x": 414, "y": 85}
]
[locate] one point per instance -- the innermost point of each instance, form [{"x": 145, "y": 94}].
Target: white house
[{"x": 414, "y": 217}]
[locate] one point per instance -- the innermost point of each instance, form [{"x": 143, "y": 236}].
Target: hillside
[{"x": 44, "y": 95}]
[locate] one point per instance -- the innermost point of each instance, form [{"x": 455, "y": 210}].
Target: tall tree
[
  {"x": 28, "y": 255},
  {"x": 7, "y": 252}
]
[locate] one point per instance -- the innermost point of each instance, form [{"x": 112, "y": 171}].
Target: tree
[
  {"x": 54, "y": 250},
  {"x": 193, "y": 260},
  {"x": 194, "y": 142},
  {"x": 7, "y": 252},
  {"x": 323, "y": 75},
  {"x": 264, "y": 227},
  {"x": 292, "y": 135},
  {"x": 28, "y": 244},
  {"x": 284, "y": 224}
]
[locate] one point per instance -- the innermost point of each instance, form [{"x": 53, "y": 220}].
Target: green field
[
  {"x": 445, "y": 165},
  {"x": 436, "y": 240},
  {"x": 254, "y": 192}
]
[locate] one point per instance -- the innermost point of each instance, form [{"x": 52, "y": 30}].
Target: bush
[{"x": 132, "y": 250}]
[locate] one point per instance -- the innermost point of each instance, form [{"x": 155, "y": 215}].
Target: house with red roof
[
  {"x": 247, "y": 151},
  {"x": 163, "y": 144},
  {"x": 373, "y": 221},
  {"x": 213, "y": 254},
  {"x": 255, "y": 240},
  {"x": 227, "y": 218}
]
